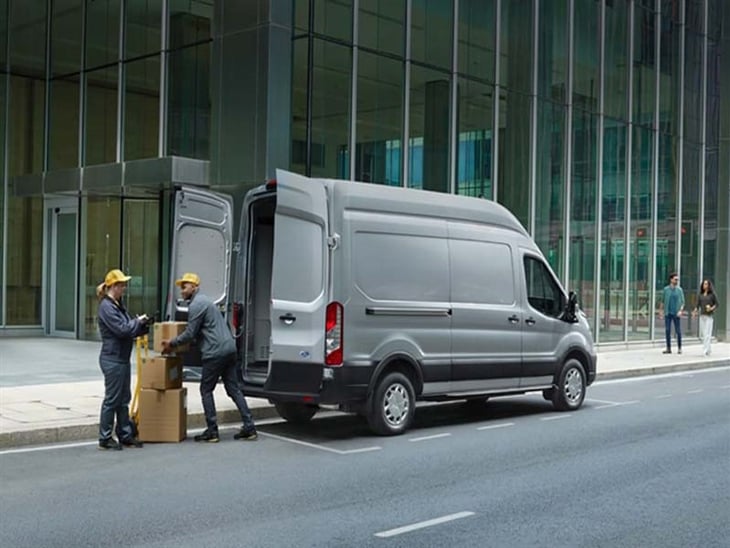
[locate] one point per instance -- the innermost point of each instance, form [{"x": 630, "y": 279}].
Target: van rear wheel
[
  {"x": 296, "y": 413},
  {"x": 392, "y": 405},
  {"x": 570, "y": 391}
]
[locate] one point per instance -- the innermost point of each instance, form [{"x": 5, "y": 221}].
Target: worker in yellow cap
[
  {"x": 208, "y": 327},
  {"x": 118, "y": 330}
]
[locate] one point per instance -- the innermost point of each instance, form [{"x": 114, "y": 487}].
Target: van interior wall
[{"x": 259, "y": 297}]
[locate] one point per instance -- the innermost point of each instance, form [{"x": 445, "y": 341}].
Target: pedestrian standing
[
  {"x": 706, "y": 305},
  {"x": 208, "y": 327},
  {"x": 671, "y": 307},
  {"x": 118, "y": 330}
]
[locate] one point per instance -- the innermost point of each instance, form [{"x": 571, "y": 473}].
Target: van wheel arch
[{"x": 402, "y": 364}]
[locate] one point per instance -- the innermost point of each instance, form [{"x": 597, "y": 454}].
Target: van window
[
  {"x": 400, "y": 267},
  {"x": 543, "y": 293},
  {"x": 299, "y": 276},
  {"x": 481, "y": 272}
]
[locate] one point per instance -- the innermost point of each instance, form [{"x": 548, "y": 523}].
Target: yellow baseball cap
[
  {"x": 188, "y": 277},
  {"x": 115, "y": 276}
]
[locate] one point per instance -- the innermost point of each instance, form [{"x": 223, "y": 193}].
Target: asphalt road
[{"x": 645, "y": 462}]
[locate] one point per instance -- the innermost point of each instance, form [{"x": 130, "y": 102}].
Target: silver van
[{"x": 370, "y": 298}]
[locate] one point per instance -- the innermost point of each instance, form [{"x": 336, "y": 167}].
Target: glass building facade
[{"x": 603, "y": 125}]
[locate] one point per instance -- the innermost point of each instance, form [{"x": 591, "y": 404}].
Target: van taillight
[{"x": 333, "y": 335}]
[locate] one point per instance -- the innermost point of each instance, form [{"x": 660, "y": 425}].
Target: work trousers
[
  {"x": 670, "y": 319},
  {"x": 117, "y": 395},
  {"x": 706, "y": 324},
  {"x": 224, "y": 368}
]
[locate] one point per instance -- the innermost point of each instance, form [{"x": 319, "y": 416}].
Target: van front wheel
[
  {"x": 296, "y": 413},
  {"x": 571, "y": 387},
  {"x": 393, "y": 405}
]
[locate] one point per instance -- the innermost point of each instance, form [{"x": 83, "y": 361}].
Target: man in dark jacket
[{"x": 208, "y": 327}]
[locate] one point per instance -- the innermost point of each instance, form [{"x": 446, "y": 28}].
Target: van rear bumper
[{"x": 304, "y": 382}]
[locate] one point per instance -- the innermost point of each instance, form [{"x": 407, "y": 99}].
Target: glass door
[{"x": 63, "y": 221}]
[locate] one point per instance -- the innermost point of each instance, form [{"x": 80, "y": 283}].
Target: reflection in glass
[
  {"x": 613, "y": 237},
  {"x": 27, "y": 32},
  {"x": 550, "y": 189},
  {"x": 189, "y": 22},
  {"x": 188, "y": 129},
  {"x": 25, "y": 260},
  {"x": 552, "y": 68},
  {"x": 669, "y": 70},
  {"x": 516, "y": 45},
  {"x": 474, "y": 146},
  {"x": 689, "y": 230},
  {"x": 693, "y": 86},
  {"x": 333, "y": 18},
  {"x": 644, "y": 72},
  {"x": 101, "y": 116},
  {"x": 143, "y": 28},
  {"x": 477, "y": 38},
  {"x": 142, "y": 108},
  {"x": 102, "y": 33},
  {"x": 586, "y": 55},
  {"x": 63, "y": 134},
  {"x": 617, "y": 66},
  {"x": 429, "y": 130},
  {"x": 379, "y": 119},
  {"x": 382, "y": 25},
  {"x": 25, "y": 138},
  {"x": 140, "y": 254},
  {"x": 66, "y": 20},
  {"x": 432, "y": 23},
  {"x": 514, "y": 154},
  {"x": 299, "y": 105}
]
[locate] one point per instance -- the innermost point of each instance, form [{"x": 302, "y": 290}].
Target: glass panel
[
  {"x": 617, "y": 24},
  {"x": 142, "y": 108},
  {"x": 429, "y": 130},
  {"x": 613, "y": 212},
  {"x": 474, "y": 148},
  {"x": 712, "y": 164},
  {"x": 64, "y": 124},
  {"x": 586, "y": 55},
  {"x": 514, "y": 154},
  {"x": 550, "y": 188},
  {"x": 3, "y": 43},
  {"x": 101, "y": 116},
  {"x": 190, "y": 22},
  {"x": 25, "y": 260},
  {"x": 64, "y": 272},
  {"x": 299, "y": 105},
  {"x": 379, "y": 119},
  {"x": 516, "y": 45},
  {"x": 432, "y": 23},
  {"x": 543, "y": 293},
  {"x": 28, "y": 31},
  {"x": 140, "y": 255},
  {"x": 25, "y": 139},
  {"x": 583, "y": 211},
  {"x": 644, "y": 73},
  {"x": 102, "y": 32},
  {"x": 690, "y": 231},
  {"x": 692, "y": 86},
  {"x": 188, "y": 121},
  {"x": 666, "y": 254},
  {"x": 143, "y": 28},
  {"x": 3, "y": 98},
  {"x": 553, "y": 50},
  {"x": 477, "y": 38},
  {"x": 103, "y": 221},
  {"x": 333, "y": 18},
  {"x": 382, "y": 25},
  {"x": 66, "y": 21},
  {"x": 331, "y": 92},
  {"x": 641, "y": 309},
  {"x": 669, "y": 71},
  {"x": 301, "y": 15}
]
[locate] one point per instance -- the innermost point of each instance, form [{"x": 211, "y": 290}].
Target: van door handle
[
  {"x": 288, "y": 318},
  {"x": 513, "y": 318},
  {"x": 530, "y": 321}
]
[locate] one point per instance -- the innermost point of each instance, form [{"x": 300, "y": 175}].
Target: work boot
[
  {"x": 667, "y": 351},
  {"x": 208, "y": 437},
  {"x": 133, "y": 442},
  {"x": 110, "y": 444},
  {"x": 246, "y": 434}
]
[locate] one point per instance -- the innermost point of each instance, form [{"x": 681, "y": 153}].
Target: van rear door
[
  {"x": 201, "y": 243},
  {"x": 298, "y": 281}
]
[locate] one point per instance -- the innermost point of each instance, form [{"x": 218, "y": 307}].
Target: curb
[{"x": 86, "y": 432}]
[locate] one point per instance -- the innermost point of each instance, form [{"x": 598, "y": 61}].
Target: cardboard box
[
  {"x": 161, "y": 372},
  {"x": 163, "y": 414},
  {"x": 166, "y": 331}
]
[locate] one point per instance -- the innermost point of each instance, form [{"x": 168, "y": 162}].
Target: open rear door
[
  {"x": 300, "y": 272},
  {"x": 201, "y": 243}
]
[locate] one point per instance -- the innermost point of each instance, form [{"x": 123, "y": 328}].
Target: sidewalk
[{"x": 68, "y": 410}]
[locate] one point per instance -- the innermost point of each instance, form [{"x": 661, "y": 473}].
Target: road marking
[
  {"x": 423, "y": 524},
  {"x": 662, "y": 375},
  {"x": 726, "y": 386},
  {"x": 603, "y": 401},
  {"x": 618, "y": 404},
  {"x": 493, "y": 426},
  {"x": 424, "y": 438},
  {"x": 662, "y": 396},
  {"x": 47, "y": 448},
  {"x": 697, "y": 391},
  {"x": 320, "y": 447},
  {"x": 556, "y": 417}
]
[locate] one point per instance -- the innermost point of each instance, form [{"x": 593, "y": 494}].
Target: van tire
[
  {"x": 294, "y": 412},
  {"x": 570, "y": 391},
  {"x": 392, "y": 405}
]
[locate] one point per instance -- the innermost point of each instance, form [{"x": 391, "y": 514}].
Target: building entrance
[{"x": 62, "y": 285}]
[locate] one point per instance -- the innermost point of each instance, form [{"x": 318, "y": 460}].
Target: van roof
[{"x": 424, "y": 202}]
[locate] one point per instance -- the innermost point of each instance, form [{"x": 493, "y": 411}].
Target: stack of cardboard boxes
[{"x": 163, "y": 402}]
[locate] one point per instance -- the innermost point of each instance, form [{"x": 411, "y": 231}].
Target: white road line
[
  {"x": 424, "y": 438},
  {"x": 697, "y": 391},
  {"x": 618, "y": 404},
  {"x": 662, "y": 375},
  {"x": 602, "y": 401},
  {"x": 725, "y": 386},
  {"x": 320, "y": 447},
  {"x": 493, "y": 426},
  {"x": 556, "y": 417},
  {"x": 662, "y": 396},
  {"x": 423, "y": 524},
  {"x": 47, "y": 448}
]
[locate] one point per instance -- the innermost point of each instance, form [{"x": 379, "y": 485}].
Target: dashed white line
[
  {"x": 662, "y": 396},
  {"x": 556, "y": 417},
  {"x": 320, "y": 447},
  {"x": 423, "y": 524},
  {"x": 493, "y": 426},
  {"x": 618, "y": 404},
  {"x": 697, "y": 391},
  {"x": 435, "y": 436},
  {"x": 602, "y": 401}
]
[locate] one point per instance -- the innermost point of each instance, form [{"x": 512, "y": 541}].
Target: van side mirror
[{"x": 570, "y": 313}]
